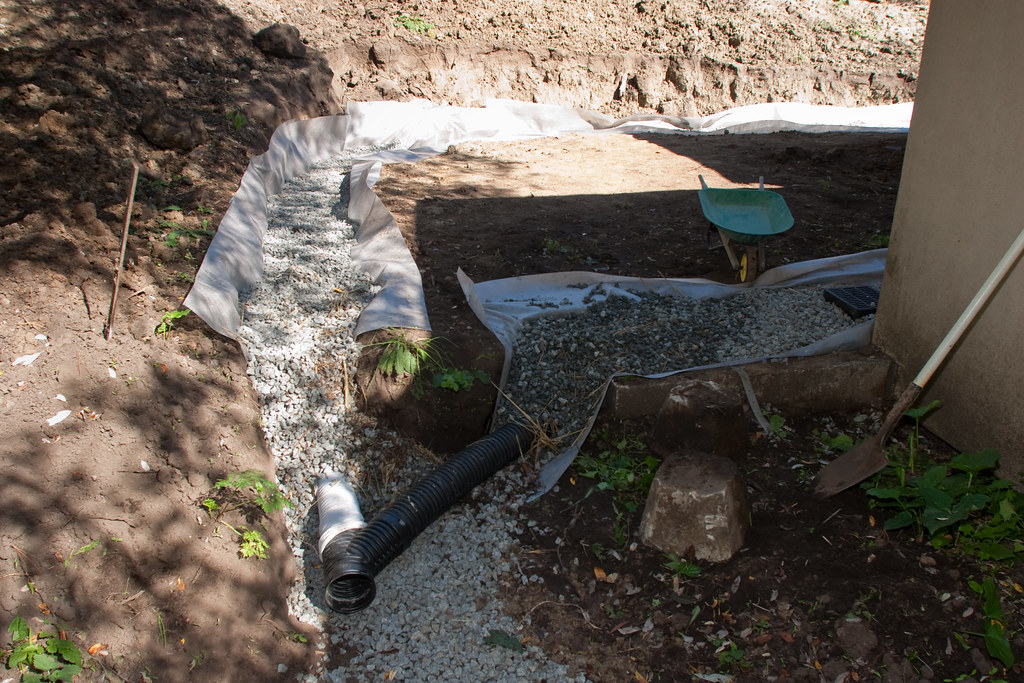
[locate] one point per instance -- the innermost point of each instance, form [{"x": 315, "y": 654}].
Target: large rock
[{"x": 696, "y": 501}]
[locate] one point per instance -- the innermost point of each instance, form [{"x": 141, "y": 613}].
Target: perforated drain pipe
[{"x": 353, "y": 553}]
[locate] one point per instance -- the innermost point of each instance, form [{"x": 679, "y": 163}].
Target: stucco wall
[{"x": 960, "y": 205}]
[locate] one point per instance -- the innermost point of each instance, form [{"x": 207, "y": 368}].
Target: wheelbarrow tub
[{"x": 746, "y": 215}]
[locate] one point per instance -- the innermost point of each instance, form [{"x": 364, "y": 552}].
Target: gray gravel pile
[
  {"x": 560, "y": 364},
  {"x": 438, "y": 603}
]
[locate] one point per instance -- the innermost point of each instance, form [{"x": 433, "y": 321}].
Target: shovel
[{"x": 869, "y": 457}]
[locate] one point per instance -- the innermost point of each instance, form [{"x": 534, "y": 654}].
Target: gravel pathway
[{"x": 439, "y": 601}]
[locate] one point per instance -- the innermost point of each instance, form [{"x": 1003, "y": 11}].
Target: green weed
[
  {"x": 402, "y": 356},
  {"x": 81, "y": 551},
  {"x": 41, "y": 656},
  {"x": 237, "y": 119},
  {"x": 995, "y": 631},
  {"x": 730, "y": 656},
  {"x": 619, "y": 470},
  {"x": 253, "y": 544},
  {"x": 681, "y": 568},
  {"x": 878, "y": 241},
  {"x": 963, "y": 505},
  {"x": 460, "y": 380},
  {"x": 414, "y": 23},
  {"x": 167, "y": 321},
  {"x": 777, "y": 424},
  {"x": 177, "y": 233},
  {"x": 251, "y": 488},
  {"x": 554, "y": 247}
]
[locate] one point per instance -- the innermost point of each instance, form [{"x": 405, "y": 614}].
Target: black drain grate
[{"x": 856, "y": 301}]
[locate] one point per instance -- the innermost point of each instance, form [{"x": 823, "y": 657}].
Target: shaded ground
[{"x": 103, "y": 534}]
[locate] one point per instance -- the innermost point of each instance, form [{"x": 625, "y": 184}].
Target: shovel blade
[{"x": 853, "y": 467}]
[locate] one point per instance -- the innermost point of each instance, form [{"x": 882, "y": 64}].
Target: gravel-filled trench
[{"x": 440, "y": 601}]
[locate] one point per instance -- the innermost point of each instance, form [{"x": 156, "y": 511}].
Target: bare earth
[{"x": 102, "y": 532}]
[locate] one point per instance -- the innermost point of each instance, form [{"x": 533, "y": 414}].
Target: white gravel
[{"x": 439, "y": 600}]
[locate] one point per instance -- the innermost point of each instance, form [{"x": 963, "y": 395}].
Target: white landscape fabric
[{"x": 409, "y": 131}]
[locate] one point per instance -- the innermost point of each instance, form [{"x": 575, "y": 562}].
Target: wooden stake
[{"x": 124, "y": 244}]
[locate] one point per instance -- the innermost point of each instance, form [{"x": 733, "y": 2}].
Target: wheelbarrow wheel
[{"x": 748, "y": 264}]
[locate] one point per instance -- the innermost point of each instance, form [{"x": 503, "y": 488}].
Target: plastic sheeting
[{"x": 388, "y": 132}]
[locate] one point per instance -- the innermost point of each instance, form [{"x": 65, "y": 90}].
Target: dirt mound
[{"x": 679, "y": 57}]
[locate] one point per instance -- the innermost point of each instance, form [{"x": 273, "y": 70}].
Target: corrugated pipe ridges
[{"x": 353, "y": 554}]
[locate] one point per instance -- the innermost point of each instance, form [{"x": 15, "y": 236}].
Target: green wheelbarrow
[{"x": 744, "y": 219}]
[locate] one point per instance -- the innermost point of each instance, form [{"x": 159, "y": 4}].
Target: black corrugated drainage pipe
[{"x": 353, "y": 553}]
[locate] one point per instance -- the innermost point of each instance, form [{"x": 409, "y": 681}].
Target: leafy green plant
[
  {"x": 502, "y": 639},
  {"x": 237, "y": 119},
  {"x": 81, "y": 551},
  {"x": 174, "y": 235},
  {"x": 253, "y": 544},
  {"x": 552, "y": 246},
  {"x": 41, "y": 656},
  {"x": 251, "y": 492},
  {"x": 995, "y": 623},
  {"x": 878, "y": 241},
  {"x": 963, "y": 504},
  {"x": 619, "y": 470},
  {"x": 777, "y": 424},
  {"x": 681, "y": 568},
  {"x": 460, "y": 380},
  {"x": 161, "y": 627},
  {"x": 402, "y": 356},
  {"x": 839, "y": 443},
  {"x": 914, "y": 440},
  {"x": 167, "y": 321},
  {"x": 414, "y": 23},
  {"x": 731, "y": 656},
  {"x": 252, "y": 487}
]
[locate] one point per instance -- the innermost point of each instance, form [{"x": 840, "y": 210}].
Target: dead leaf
[
  {"x": 763, "y": 638},
  {"x": 639, "y": 677},
  {"x": 786, "y": 637},
  {"x": 629, "y": 630},
  {"x": 181, "y": 584},
  {"x": 96, "y": 647},
  {"x": 44, "y": 608},
  {"x": 599, "y": 574}
]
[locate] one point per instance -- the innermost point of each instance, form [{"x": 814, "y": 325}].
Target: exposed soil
[{"x": 103, "y": 534}]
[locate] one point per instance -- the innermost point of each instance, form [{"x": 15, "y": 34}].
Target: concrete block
[
  {"x": 697, "y": 501},
  {"x": 704, "y": 416},
  {"x": 817, "y": 385}
]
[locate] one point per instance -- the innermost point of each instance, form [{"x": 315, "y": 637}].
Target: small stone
[
  {"x": 855, "y": 638},
  {"x": 168, "y": 130}
]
